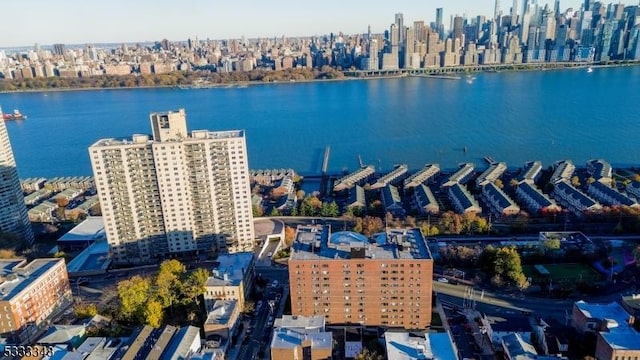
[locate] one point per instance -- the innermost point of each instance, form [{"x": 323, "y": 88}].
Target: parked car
[{"x": 443, "y": 280}]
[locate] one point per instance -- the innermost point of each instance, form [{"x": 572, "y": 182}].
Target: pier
[{"x": 324, "y": 180}]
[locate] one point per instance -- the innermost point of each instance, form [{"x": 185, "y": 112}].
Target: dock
[{"x": 489, "y": 160}]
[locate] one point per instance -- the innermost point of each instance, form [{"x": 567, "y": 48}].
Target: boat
[
  {"x": 16, "y": 115},
  {"x": 589, "y": 69}
]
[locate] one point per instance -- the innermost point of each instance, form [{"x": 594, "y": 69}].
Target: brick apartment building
[{"x": 351, "y": 280}]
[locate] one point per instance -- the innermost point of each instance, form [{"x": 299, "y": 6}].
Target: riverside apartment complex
[
  {"x": 174, "y": 193},
  {"x": 349, "y": 280}
]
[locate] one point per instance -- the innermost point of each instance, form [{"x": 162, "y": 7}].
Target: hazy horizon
[{"x": 73, "y": 22}]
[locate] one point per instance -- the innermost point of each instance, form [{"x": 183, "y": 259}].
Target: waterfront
[{"x": 513, "y": 117}]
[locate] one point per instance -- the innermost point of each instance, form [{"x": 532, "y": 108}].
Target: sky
[{"x": 26, "y": 22}]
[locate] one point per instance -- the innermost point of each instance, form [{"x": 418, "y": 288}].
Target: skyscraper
[
  {"x": 174, "y": 193},
  {"x": 439, "y": 24},
  {"x": 13, "y": 212},
  {"x": 400, "y": 24}
]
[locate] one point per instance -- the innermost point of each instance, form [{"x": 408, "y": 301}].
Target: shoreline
[{"x": 440, "y": 73}]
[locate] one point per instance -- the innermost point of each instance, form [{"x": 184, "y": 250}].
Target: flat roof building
[
  {"x": 83, "y": 234},
  {"x": 231, "y": 279},
  {"x": 408, "y": 346},
  {"x": 349, "y": 279},
  {"x": 41, "y": 287},
  {"x": 295, "y": 335},
  {"x": 174, "y": 193},
  {"x": 615, "y": 336}
]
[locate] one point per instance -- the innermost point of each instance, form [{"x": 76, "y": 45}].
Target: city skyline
[{"x": 75, "y": 24}]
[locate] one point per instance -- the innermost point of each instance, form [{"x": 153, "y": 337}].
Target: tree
[
  {"x": 153, "y": 313},
  {"x": 371, "y": 225},
  {"x": 194, "y": 284},
  {"x": 8, "y": 254},
  {"x": 499, "y": 183},
  {"x": 591, "y": 180},
  {"x": 330, "y": 209},
  {"x": 551, "y": 244},
  {"x": 513, "y": 183},
  {"x": 575, "y": 181},
  {"x": 169, "y": 282},
  {"x": 257, "y": 210},
  {"x": 289, "y": 235},
  {"x": 133, "y": 294},
  {"x": 366, "y": 354},
  {"x": 83, "y": 311},
  {"x": 274, "y": 212}
]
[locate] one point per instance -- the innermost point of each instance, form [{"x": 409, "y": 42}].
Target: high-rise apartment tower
[
  {"x": 13, "y": 212},
  {"x": 174, "y": 193}
]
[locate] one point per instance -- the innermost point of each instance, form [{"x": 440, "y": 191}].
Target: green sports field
[{"x": 564, "y": 272}]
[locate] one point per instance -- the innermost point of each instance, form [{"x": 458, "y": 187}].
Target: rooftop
[
  {"x": 196, "y": 135},
  {"x": 571, "y": 192},
  {"x": 563, "y": 171},
  {"x": 619, "y": 334},
  {"x": 422, "y": 175},
  {"x": 288, "y": 338},
  {"x": 494, "y": 171},
  {"x": 90, "y": 229},
  {"x": 464, "y": 171},
  {"x": 16, "y": 274},
  {"x": 534, "y": 193},
  {"x": 300, "y": 322},
  {"x": 231, "y": 269},
  {"x": 463, "y": 195},
  {"x": 180, "y": 345},
  {"x": 493, "y": 191},
  {"x": 407, "y": 346},
  {"x": 530, "y": 171},
  {"x": 221, "y": 312},
  {"x": 317, "y": 242}
]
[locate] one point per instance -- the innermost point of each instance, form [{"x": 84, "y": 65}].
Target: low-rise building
[
  {"x": 615, "y": 336},
  {"x": 222, "y": 319},
  {"x": 409, "y": 346},
  {"x": 83, "y": 234},
  {"x": 353, "y": 179},
  {"x": 357, "y": 198},
  {"x": 534, "y": 200},
  {"x": 424, "y": 200},
  {"x": 424, "y": 176},
  {"x": 499, "y": 202},
  {"x": 294, "y": 336},
  {"x": 85, "y": 208},
  {"x": 30, "y": 293},
  {"x": 462, "y": 200},
  {"x": 391, "y": 178},
  {"x": 67, "y": 195},
  {"x": 573, "y": 199},
  {"x": 232, "y": 279},
  {"x": 530, "y": 172},
  {"x": 634, "y": 189},
  {"x": 608, "y": 195},
  {"x": 32, "y": 184},
  {"x": 43, "y": 212},
  {"x": 461, "y": 176},
  {"x": 37, "y": 196},
  {"x": 492, "y": 174},
  {"x": 184, "y": 344},
  {"x": 563, "y": 171},
  {"x": 601, "y": 171},
  {"x": 392, "y": 201}
]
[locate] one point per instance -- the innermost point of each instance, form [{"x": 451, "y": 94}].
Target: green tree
[
  {"x": 133, "y": 294},
  {"x": 257, "y": 211},
  {"x": 194, "y": 284},
  {"x": 330, "y": 209},
  {"x": 153, "y": 313},
  {"x": 169, "y": 282},
  {"x": 551, "y": 244},
  {"x": 274, "y": 212}
]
